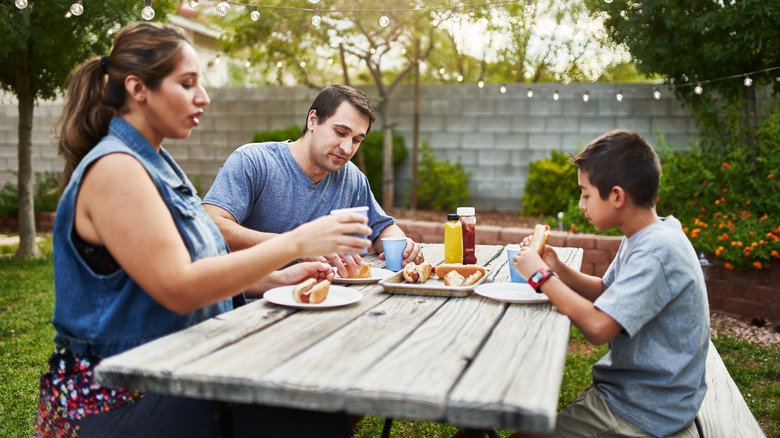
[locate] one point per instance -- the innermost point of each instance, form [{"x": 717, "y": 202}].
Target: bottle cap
[
  {"x": 452, "y": 217},
  {"x": 466, "y": 211}
]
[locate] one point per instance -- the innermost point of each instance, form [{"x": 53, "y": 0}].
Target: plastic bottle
[
  {"x": 453, "y": 240},
  {"x": 468, "y": 224}
]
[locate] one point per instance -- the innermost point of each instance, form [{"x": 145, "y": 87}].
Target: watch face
[{"x": 538, "y": 275}]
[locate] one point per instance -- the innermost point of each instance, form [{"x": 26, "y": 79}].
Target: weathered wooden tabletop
[{"x": 471, "y": 361}]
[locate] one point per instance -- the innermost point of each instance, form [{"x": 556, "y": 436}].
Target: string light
[
  {"x": 255, "y": 15},
  {"x": 460, "y": 78},
  {"x": 21, "y": 4},
  {"x": 218, "y": 60},
  {"x": 619, "y": 96},
  {"x": 147, "y": 13},
  {"x": 586, "y": 97},
  {"x": 193, "y": 4},
  {"x": 502, "y": 89},
  {"x": 656, "y": 93},
  {"x": 316, "y": 19},
  {"x": 314, "y": 2},
  {"x": 529, "y": 7},
  {"x": 223, "y": 7},
  {"x": 247, "y": 64},
  {"x": 556, "y": 95},
  {"x": 77, "y": 8},
  {"x": 481, "y": 84},
  {"x": 698, "y": 89},
  {"x": 748, "y": 82},
  {"x": 384, "y": 20}
]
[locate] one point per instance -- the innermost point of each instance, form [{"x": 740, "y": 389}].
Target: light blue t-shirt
[
  {"x": 653, "y": 375},
  {"x": 265, "y": 189}
]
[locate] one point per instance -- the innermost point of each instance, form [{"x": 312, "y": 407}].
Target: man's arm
[{"x": 237, "y": 236}]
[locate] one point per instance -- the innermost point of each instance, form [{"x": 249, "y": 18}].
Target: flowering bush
[{"x": 729, "y": 204}]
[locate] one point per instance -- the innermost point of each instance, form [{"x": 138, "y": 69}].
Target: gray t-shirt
[
  {"x": 653, "y": 375},
  {"x": 265, "y": 189}
]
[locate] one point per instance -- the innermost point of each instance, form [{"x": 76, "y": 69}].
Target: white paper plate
[
  {"x": 511, "y": 293},
  {"x": 376, "y": 275},
  {"x": 337, "y": 296}
]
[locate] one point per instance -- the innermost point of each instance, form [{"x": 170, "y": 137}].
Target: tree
[
  {"x": 40, "y": 46},
  {"x": 697, "y": 41}
]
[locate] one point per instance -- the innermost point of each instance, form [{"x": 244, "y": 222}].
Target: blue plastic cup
[
  {"x": 511, "y": 251},
  {"x": 394, "y": 252},
  {"x": 361, "y": 210}
]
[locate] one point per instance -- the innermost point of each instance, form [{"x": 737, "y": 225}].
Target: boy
[{"x": 650, "y": 306}]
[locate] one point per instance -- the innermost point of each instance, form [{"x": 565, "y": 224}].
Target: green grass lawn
[{"x": 27, "y": 300}]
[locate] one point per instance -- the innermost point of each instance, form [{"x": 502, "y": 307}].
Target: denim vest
[{"x": 103, "y": 315}]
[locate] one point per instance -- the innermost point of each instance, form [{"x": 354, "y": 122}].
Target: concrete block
[
  {"x": 515, "y": 142},
  {"x": 479, "y": 107},
  {"x": 597, "y": 125},
  {"x": 565, "y": 124},
  {"x": 526, "y": 124},
  {"x": 494, "y": 124},
  {"x": 433, "y": 123},
  {"x": 671, "y": 125},
  {"x": 443, "y": 140},
  {"x": 512, "y": 107}
]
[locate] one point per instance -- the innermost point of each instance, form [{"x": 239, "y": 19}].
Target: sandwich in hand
[
  {"x": 311, "y": 292},
  {"x": 540, "y": 238},
  {"x": 414, "y": 273},
  {"x": 365, "y": 272}
]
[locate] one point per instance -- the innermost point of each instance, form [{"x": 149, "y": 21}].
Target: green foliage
[
  {"x": 551, "y": 183},
  {"x": 442, "y": 185},
  {"x": 728, "y": 204},
  {"x": 371, "y": 147},
  {"x": 45, "y": 196}
]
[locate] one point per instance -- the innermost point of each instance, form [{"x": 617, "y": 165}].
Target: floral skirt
[{"x": 68, "y": 393}]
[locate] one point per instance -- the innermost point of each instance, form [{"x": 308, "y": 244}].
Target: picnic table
[{"x": 471, "y": 361}]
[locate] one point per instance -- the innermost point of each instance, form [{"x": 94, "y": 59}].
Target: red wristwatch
[{"x": 539, "y": 277}]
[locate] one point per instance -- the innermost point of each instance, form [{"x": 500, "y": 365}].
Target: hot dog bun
[
  {"x": 454, "y": 277},
  {"x": 365, "y": 272},
  {"x": 309, "y": 291},
  {"x": 414, "y": 273},
  {"x": 540, "y": 238},
  {"x": 464, "y": 270}
]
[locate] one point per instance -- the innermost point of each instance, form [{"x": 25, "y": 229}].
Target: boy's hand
[
  {"x": 550, "y": 257},
  {"x": 527, "y": 261}
]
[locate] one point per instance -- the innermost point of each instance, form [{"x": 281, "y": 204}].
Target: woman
[{"x": 135, "y": 255}]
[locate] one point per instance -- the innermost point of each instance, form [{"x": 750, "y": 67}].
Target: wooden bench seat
[{"x": 724, "y": 413}]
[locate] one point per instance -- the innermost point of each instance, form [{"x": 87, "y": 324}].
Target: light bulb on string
[
  {"x": 530, "y": 93},
  {"x": 218, "y": 60},
  {"x": 303, "y": 64},
  {"x": 314, "y": 2},
  {"x": 21, "y": 4},
  {"x": 656, "y": 93},
  {"x": 698, "y": 89},
  {"x": 556, "y": 95},
  {"x": 748, "y": 82},
  {"x": 481, "y": 84},
  {"x": 460, "y": 78},
  {"x": 619, "y": 96},
  {"x": 586, "y": 97},
  {"x": 193, "y": 4},
  {"x": 529, "y": 7},
  {"x": 502, "y": 89},
  {"x": 330, "y": 61},
  {"x": 441, "y": 71},
  {"x": 147, "y": 13},
  {"x": 68, "y": 14},
  {"x": 279, "y": 64},
  {"x": 255, "y": 15},
  {"x": 384, "y": 20},
  {"x": 316, "y": 19},
  {"x": 607, "y": 1},
  {"x": 77, "y": 8},
  {"x": 223, "y": 7}
]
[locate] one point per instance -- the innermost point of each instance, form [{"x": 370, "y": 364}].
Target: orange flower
[
  {"x": 717, "y": 201},
  {"x": 775, "y": 254},
  {"x": 747, "y": 202},
  {"x": 728, "y": 266},
  {"x": 733, "y": 243},
  {"x": 757, "y": 264},
  {"x": 763, "y": 217},
  {"x": 703, "y": 209},
  {"x": 770, "y": 176},
  {"x": 725, "y": 190},
  {"x": 726, "y": 165},
  {"x": 750, "y": 233}
]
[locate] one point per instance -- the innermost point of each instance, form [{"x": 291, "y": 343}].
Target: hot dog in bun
[
  {"x": 464, "y": 270},
  {"x": 310, "y": 291},
  {"x": 540, "y": 238},
  {"x": 414, "y": 273},
  {"x": 454, "y": 278},
  {"x": 365, "y": 272}
]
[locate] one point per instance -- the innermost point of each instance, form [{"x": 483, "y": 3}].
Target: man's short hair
[
  {"x": 330, "y": 98},
  {"x": 622, "y": 158}
]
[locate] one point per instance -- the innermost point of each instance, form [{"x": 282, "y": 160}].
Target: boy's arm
[
  {"x": 596, "y": 325},
  {"x": 589, "y": 286}
]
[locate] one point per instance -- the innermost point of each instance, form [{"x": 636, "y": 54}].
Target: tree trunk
[
  {"x": 388, "y": 181},
  {"x": 416, "y": 126},
  {"x": 28, "y": 247}
]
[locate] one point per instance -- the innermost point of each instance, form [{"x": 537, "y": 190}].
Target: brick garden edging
[{"x": 754, "y": 294}]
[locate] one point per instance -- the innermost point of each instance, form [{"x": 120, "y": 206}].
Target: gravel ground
[{"x": 758, "y": 332}]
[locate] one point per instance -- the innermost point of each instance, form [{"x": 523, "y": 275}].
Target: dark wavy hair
[{"x": 330, "y": 98}]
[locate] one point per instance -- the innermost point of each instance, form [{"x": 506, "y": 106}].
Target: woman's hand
[
  {"x": 291, "y": 275},
  {"x": 331, "y": 235}
]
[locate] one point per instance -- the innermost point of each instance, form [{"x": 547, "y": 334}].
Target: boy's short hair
[
  {"x": 622, "y": 158},
  {"x": 330, "y": 98}
]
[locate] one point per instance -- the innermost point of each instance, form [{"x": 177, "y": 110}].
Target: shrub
[
  {"x": 45, "y": 194},
  {"x": 442, "y": 185},
  {"x": 551, "y": 183},
  {"x": 372, "y": 152}
]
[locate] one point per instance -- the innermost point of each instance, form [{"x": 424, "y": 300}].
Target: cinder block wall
[{"x": 754, "y": 294}]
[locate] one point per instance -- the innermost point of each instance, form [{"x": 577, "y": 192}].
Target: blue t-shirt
[
  {"x": 265, "y": 189},
  {"x": 653, "y": 375}
]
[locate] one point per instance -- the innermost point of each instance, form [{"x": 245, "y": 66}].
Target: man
[{"x": 268, "y": 188}]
